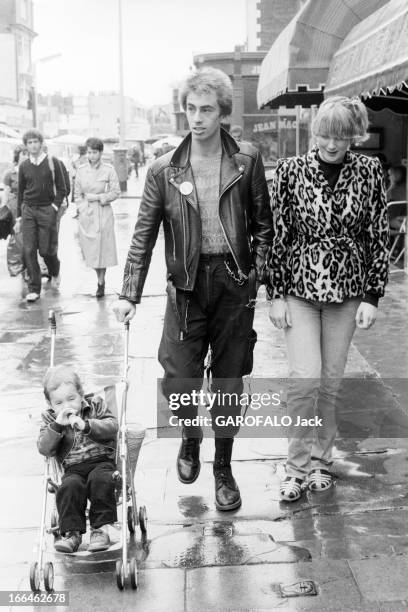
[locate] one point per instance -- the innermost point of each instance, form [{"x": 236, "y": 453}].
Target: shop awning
[
  {"x": 296, "y": 67},
  {"x": 373, "y": 58}
]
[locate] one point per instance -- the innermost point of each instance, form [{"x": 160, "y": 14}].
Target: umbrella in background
[{"x": 169, "y": 141}]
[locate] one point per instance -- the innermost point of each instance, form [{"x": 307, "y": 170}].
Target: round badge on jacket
[{"x": 186, "y": 188}]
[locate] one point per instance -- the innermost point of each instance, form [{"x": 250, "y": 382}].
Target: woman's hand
[
  {"x": 366, "y": 315},
  {"x": 279, "y": 314}
]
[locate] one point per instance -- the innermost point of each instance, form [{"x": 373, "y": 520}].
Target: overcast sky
[{"x": 160, "y": 38}]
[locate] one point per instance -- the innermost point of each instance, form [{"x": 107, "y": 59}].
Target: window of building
[{"x": 24, "y": 9}]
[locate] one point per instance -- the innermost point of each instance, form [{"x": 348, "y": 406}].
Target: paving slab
[
  {"x": 382, "y": 578},
  {"x": 257, "y": 587}
]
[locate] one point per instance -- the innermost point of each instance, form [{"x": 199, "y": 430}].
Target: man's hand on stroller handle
[{"x": 124, "y": 310}]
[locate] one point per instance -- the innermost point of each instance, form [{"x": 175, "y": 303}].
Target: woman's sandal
[
  {"x": 320, "y": 480},
  {"x": 291, "y": 489}
]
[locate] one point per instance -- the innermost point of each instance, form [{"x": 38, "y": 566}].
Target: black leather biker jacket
[{"x": 244, "y": 211}]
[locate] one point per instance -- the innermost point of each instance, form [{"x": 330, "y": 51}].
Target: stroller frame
[{"x": 126, "y": 569}]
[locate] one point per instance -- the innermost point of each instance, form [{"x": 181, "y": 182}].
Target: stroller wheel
[
  {"x": 120, "y": 574},
  {"x": 133, "y": 573},
  {"x": 143, "y": 519},
  {"x": 49, "y": 576},
  {"x": 34, "y": 577},
  {"x": 130, "y": 520}
]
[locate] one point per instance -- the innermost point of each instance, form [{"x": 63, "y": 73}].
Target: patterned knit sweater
[{"x": 207, "y": 181}]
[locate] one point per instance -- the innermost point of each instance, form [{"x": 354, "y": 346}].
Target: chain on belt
[{"x": 240, "y": 279}]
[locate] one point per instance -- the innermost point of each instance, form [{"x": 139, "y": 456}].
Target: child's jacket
[{"x": 71, "y": 446}]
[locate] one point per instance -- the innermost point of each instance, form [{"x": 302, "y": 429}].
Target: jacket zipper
[
  {"x": 185, "y": 241},
  {"x": 246, "y": 227},
  {"x": 240, "y": 273},
  {"x": 174, "y": 240},
  {"x": 184, "y": 331}
]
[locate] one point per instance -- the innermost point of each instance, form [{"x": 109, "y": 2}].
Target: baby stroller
[{"x": 126, "y": 569}]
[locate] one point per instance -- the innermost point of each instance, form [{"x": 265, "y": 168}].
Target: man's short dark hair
[
  {"x": 208, "y": 80},
  {"x": 95, "y": 144},
  {"x": 33, "y": 134}
]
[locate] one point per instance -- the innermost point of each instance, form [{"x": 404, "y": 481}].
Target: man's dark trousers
[
  {"x": 40, "y": 233},
  {"x": 90, "y": 479},
  {"x": 218, "y": 313}
]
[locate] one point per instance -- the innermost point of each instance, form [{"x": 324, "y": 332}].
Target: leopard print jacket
[{"x": 328, "y": 245}]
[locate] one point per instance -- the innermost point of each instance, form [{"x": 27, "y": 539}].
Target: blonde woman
[{"x": 327, "y": 270}]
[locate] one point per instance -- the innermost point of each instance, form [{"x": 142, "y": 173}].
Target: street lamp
[
  {"x": 34, "y": 93},
  {"x": 122, "y": 131},
  {"x": 120, "y": 152}
]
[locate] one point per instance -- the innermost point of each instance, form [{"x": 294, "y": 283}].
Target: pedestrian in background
[
  {"x": 397, "y": 191},
  {"x": 237, "y": 132},
  {"x": 327, "y": 270},
  {"x": 96, "y": 186},
  {"x": 136, "y": 160},
  {"x": 15, "y": 255},
  {"x": 41, "y": 191}
]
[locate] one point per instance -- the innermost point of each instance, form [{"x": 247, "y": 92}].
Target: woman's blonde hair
[{"x": 341, "y": 117}]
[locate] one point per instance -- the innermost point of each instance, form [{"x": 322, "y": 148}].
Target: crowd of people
[
  {"x": 36, "y": 193},
  {"x": 319, "y": 244}
]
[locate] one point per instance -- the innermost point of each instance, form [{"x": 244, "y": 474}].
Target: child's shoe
[
  {"x": 70, "y": 543},
  {"x": 99, "y": 540}
]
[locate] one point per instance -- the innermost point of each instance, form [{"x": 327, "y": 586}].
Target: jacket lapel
[
  {"x": 182, "y": 172},
  {"x": 185, "y": 175},
  {"x": 229, "y": 171}
]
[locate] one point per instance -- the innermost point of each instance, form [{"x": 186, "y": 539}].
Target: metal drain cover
[
  {"x": 219, "y": 529},
  {"x": 298, "y": 589}
]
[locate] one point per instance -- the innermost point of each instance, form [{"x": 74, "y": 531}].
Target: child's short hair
[
  {"x": 57, "y": 376},
  {"x": 207, "y": 80}
]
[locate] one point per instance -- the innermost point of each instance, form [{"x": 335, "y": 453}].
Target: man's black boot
[
  {"x": 227, "y": 495},
  {"x": 188, "y": 458}
]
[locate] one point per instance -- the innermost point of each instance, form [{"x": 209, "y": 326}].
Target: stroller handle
[
  {"x": 52, "y": 320},
  {"x": 126, "y": 352},
  {"x": 53, "y": 327}
]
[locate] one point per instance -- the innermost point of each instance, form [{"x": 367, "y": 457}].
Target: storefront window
[{"x": 274, "y": 135}]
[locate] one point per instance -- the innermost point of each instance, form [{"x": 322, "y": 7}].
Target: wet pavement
[{"x": 352, "y": 541}]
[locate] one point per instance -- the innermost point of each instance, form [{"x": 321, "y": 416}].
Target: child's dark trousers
[{"x": 90, "y": 479}]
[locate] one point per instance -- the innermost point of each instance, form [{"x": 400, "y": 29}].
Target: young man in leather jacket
[{"x": 212, "y": 198}]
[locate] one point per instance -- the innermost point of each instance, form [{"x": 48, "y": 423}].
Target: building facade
[
  {"x": 16, "y": 67},
  {"x": 266, "y": 19}
]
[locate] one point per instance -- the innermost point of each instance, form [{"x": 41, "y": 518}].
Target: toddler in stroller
[{"x": 80, "y": 432}]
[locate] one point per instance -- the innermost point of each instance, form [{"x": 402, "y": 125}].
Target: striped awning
[
  {"x": 296, "y": 67},
  {"x": 373, "y": 58}
]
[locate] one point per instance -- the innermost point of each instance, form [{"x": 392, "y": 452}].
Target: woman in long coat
[
  {"x": 328, "y": 269},
  {"x": 96, "y": 186}
]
